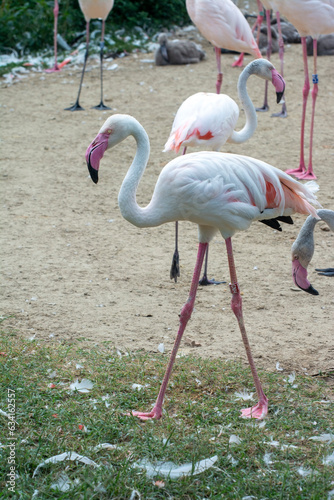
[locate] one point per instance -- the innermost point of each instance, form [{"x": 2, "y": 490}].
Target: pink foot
[
  {"x": 308, "y": 176},
  {"x": 239, "y": 62},
  {"x": 295, "y": 171},
  {"x": 52, "y": 70},
  {"x": 155, "y": 413},
  {"x": 259, "y": 411}
]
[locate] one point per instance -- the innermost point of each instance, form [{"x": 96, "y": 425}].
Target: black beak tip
[
  {"x": 279, "y": 96},
  {"x": 311, "y": 290},
  {"x": 93, "y": 173}
]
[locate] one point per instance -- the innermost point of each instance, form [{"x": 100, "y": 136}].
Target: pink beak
[
  {"x": 94, "y": 154},
  {"x": 279, "y": 84},
  {"x": 299, "y": 276}
]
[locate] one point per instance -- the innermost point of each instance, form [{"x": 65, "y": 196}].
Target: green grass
[{"x": 198, "y": 422}]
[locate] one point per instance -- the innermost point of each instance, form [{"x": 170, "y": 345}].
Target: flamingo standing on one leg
[
  {"x": 303, "y": 248},
  {"x": 93, "y": 9},
  {"x": 314, "y": 18},
  {"x": 220, "y": 192},
  {"x": 223, "y": 25},
  {"x": 207, "y": 119},
  {"x": 271, "y": 4}
]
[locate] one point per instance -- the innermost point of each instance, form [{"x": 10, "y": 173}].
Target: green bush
[{"x": 27, "y": 25}]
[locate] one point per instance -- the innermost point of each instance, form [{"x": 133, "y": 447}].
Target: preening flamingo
[
  {"x": 314, "y": 18},
  {"x": 219, "y": 192},
  {"x": 225, "y": 27},
  {"x": 93, "y": 9},
  {"x": 271, "y": 4},
  {"x": 303, "y": 249},
  {"x": 209, "y": 120}
]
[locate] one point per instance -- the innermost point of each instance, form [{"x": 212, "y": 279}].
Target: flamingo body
[
  {"x": 223, "y": 25},
  {"x": 96, "y": 9},
  {"x": 310, "y": 17},
  {"x": 219, "y": 192},
  {"x": 204, "y": 119}
]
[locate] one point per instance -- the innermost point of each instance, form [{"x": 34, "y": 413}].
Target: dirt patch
[{"x": 73, "y": 267}]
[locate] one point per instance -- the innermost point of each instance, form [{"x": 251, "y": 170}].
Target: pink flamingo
[
  {"x": 271, "y": 4},
  {"x": 207, "y": 119},
  {"x": 314, "y": 18},
  {"x": 220, "y": 192},
  {"x": 93, "y": 9},
  {"x": 303, "y": 248},
  {"x": 223, "y": 25}
]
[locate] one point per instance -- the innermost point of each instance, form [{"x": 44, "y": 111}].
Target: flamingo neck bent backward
[
  {"x": 303, "y": 249},
  {"x": 260, "y": 69}
]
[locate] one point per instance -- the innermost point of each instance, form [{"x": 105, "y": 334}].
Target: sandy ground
[{"x": 74, "y": 268}]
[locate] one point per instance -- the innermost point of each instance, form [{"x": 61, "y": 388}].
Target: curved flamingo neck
[
  {"x": 305, "y": 239},
  {"x": 251, "y": 119},
  {"x": 127, "y": 194},
  {"x": 130, "y": 210}
]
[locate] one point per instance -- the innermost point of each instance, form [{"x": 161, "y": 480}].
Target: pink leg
[
  {"x": 265, "y": 106},
  {"x": 261, "y": 409},
  {"x": 310, "y": 174},
  {"x": 283, "y": 113},
  {"x": 186, "y": 311},
  {"x": 239, "y": 62},
  {"x": 220, "y": 74},
  {"x": 306, "y": 89},
  {"x": 55, "y": 29}
]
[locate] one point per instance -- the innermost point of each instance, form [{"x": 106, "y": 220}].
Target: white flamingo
[
  {"x": 225, "y": 27},
  {"x": 209, "y": 120},
  {"x": 93, "y": 9},
  {"x": 219, "y": 192},
  {"x": 303, "y": 249}
]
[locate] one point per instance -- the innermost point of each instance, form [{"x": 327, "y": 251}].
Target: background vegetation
[{"x": 27, "y": 25}]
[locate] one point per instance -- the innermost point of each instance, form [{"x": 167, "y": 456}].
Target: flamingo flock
[{"x": 220, "y": 192}]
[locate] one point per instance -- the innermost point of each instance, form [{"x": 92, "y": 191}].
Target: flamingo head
[
  {"x": 266, "y": 70},
  {"x": 95, "y": 152},
  {"x": 301, "y": 257},
  {"x": 114, "y": 130}
]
